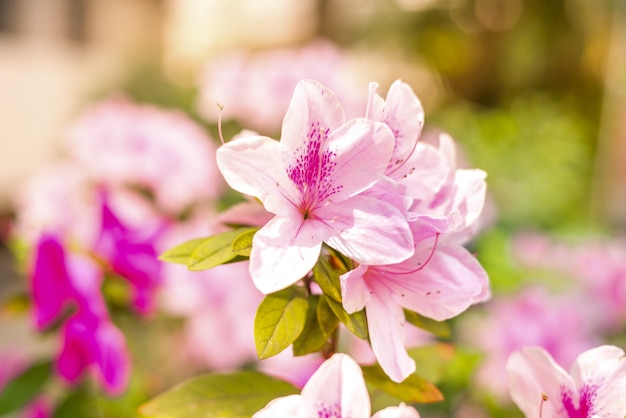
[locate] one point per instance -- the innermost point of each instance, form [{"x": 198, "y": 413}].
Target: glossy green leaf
[
  {"x": 215, "y": 250},
  {"x": 25, "y": 387},
  {"x": 237, "y": 395},
  {"x": 279, "y": 320},
  {"x": 326, "y": 275},
  {"x": 326, "y": 318},
  {"x": 413, "y": 389},
  {"x": 312, "y": 338},
  {"x": 182, "y": 252},
  {"x": 356, "y": 322},
  {"x": 440, "y": 329},
  {"x": 242, "y": 245}
]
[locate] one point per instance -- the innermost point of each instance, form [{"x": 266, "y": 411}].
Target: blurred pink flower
[
  {"x": 531, "y": 317},
  {"x": 94, "y": 343},
  {"x": 594, "y": 388},
  {"x": 164, "y": 152},
  {"x": 310, "y": 181},
  {"x": 598, "y": 266},
  {"x": 336, "y": 389},
  {"x": 255, "y": 88}
]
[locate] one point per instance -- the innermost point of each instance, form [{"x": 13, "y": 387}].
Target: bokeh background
[{"x": 534, "y": 92}]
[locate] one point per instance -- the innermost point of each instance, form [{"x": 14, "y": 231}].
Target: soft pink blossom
[
  {"x": 311, "y": 180},
  {"x": 336, "y": 389},
  {"x": 163, "y": 152},
  {"x": 531, "y": 317},
  {"x": 595, "y": 386},
  {"x": 254, "y": 88},
  {"x": 93, "y": 343}
]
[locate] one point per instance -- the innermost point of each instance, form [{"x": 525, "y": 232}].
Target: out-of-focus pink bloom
[
  {"x": 59, "y": 199},
  {"x": 594, "y": 388},
  {"x": 311, "y": 180},
  {"x": 118, "y": 142},
  {"x": 336, "y": 389},
  {"x": 597, "y": 265},
  {"x": 255, "y": 88},
  {"x": 532, "y": 317},
  {"x": 94, "y": 343},
  {"x": 39, "y": 408},
  {"x": 297, "y": 370},
  {"x": 132, "y": 254}
]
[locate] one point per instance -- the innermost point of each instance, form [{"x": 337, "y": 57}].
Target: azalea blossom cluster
[
  {"x": 370, "y": 189},
  {"x": 105, "y": 213}
]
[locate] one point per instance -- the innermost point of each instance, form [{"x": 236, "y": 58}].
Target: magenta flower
[
  {"x": 595, "y": 387},
  {"x": 311, "y": 181},
  {"x": 131, "y": 253},
  {"x": 335, "y": 390},
  {"x": 94, "y": 343}
]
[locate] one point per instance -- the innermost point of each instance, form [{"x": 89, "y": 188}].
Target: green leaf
[
  {"x": 25, "y": 387},
  {"x": 356, "y": 322},
  {"x": 182, "y": 252},
  {"x": 326, "y": 275},
  {"x": 242, "y": 245},
  {"x": 237, "y": 395},
  {"x": 326, "y": 318},
  {"x": 431, "y": 360},
  {"x": 215, "y": 250},
  {"x": 77, "y": 404},
  {"x": 312, "y": 338},
  {"x": 279, "y": 320},
  {"x": 413, "y": 389},
  {"x": 440, "y": 329}
]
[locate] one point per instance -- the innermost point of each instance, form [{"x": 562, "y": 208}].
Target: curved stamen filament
[{"x": 419, "y": 265}]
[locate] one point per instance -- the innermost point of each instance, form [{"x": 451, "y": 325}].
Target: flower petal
[
  {"x": 400, "y": 411},
  {"x": 361, "y": 149},
  {"x": 603, "y": 371},
  {"x": 284, "y": 407},
  {"x": 252, "y": 165},
  {"x": 368, "y": 230},
  {"x": 385, "y": 321},
  {"x": 338, "y": 387},
  {"x": 311, "y": 104},
  {"x": 449, "y": 283},
  {"x": 284, "y": 251},
  {"x": 532, "y": 374},
  {"x": 354, "y": 291}
]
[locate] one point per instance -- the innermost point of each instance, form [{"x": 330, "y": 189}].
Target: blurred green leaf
[
  {"x": 25, "y": 387},
  {"x": 440, "y": 329},
  {"x": 312, "y": 338},
  {"x": 279, "y": 320},
  {"x": 237, "y": 395},
  {"x": 242, "y": 245},
  {"x": 356, "y": 322},
  {"x": 77, "y": 404},
  {"x": 431, "y": 360},
  {"x": 413, "y": 389}
]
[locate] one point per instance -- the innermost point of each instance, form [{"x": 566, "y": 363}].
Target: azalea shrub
[{"x": 347, "y": 266}]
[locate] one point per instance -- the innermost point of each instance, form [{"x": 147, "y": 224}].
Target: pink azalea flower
[
  {"x": 240, "y": 80},
  {"x": 132, "y": 254},
  {"x": 336, "y": 389},
  {"x": 94, "y": 343},
  {"x": 120, "y": 143},
  {"x": 440, "y": 281},
  {"x": 311, "y": 181},
  {"x": 594, "y": 388},
  {"x": 561, "y": 324}
]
